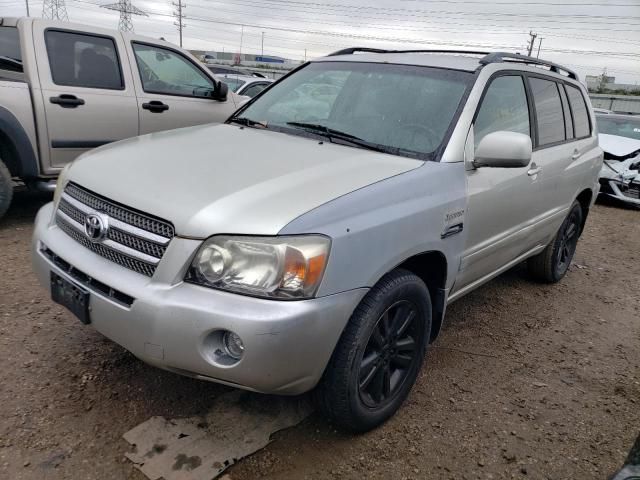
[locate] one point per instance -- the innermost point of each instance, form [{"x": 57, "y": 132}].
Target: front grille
[
  {"x": 633, "y": 191},
  {"x": 133, "y": 240}
]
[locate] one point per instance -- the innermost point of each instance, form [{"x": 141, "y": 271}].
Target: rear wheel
[
  {"x": 379, "y": 354},
  {"x": 6, "y": 189},
  {"x": 552, "y": 264}
]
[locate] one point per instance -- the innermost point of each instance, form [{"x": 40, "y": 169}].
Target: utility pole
[
  {"x": 262, "y": 51},
  {"x": 27, "y": 4},
  {"x": 54, "y": 10},
  {"x": 180, "y": 17},
  {"x": 241, "y": 39},
  {"x": 126, "y": 9},
  {"x": 305, "y": 54},
  {"x": 533, "y": 39},
  {"x": 539, "y": 45}
]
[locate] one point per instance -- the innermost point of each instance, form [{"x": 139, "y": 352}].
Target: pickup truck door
[
  {"x": 87, "y": 90},
  {"x": 173, "y": 89},
  {"x": 502, "y": 204}
]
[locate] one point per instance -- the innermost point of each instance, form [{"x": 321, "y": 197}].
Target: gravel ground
[{"x": 525, "y": 381}]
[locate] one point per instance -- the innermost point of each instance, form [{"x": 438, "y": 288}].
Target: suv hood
[{"x": 227, "y": 179}]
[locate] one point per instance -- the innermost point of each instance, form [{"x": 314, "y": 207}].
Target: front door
[
  {"x": 87, "y": 91},
  {"x": 173, "y": 90},
  {"x": 501, "y": 201}
]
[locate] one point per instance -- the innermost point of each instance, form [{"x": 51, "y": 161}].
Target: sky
[{"x": 586, "y": 36}]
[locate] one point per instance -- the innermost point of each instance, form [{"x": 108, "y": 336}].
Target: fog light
[{"x": 233, "y": 346}]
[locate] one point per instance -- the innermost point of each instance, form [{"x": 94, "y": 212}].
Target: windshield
[
  {"x": 233, "y": 83},
  {"x": 622, "y": 127},
  {"x": 402, "y": 107},
  {"x": 10, "y": 56}
]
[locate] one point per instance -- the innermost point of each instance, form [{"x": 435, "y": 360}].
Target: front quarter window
[{"x": 403, "y": 109}]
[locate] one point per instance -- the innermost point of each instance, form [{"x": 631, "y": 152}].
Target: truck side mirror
[{"x": 220, "y": 92}]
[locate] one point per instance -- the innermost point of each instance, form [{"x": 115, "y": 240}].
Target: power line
[{"x": 126, "y": 9}]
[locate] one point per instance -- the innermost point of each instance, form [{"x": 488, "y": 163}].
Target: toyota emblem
[{"x": 96, "y": 226}]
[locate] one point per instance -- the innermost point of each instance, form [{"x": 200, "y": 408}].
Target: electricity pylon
[
  {"x": 55, "y": 10},
  {"x": 126, "y": 9}
]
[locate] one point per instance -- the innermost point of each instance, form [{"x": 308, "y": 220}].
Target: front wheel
[
  {"x": 552, "y": 263},
  {"x": 379, "y": 354},
  {"x": 6, "y": 189}
]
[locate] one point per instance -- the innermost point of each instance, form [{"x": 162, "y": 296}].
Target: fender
[{"x": 18, "y": 154}]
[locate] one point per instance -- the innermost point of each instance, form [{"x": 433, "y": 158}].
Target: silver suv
[{"x": 315, "y": 239}]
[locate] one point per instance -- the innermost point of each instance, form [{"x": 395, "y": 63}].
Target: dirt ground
[{"x": 525, "y": 381}]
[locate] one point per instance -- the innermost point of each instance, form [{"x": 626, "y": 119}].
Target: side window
[
  {"x": 255, "y": 89},
  {"x": 170, "y": 73},
  {"x": 580, "y": 113},
  {"x": 10, "y": 55},
  {"x": 549, "y": 114},
  {"x": 79, "y": 60},
  {"x": 504, "y": 107},
  {"x": 568, "y": 121}
]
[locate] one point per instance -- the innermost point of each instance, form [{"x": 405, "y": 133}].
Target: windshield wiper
[
  {"x": 247, "y": 122},
  {"x": 332, "y": 133}
]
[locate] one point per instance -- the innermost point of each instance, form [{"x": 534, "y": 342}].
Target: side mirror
[
  {"x": 504, "y": 150},
  {"x": 220, "y": 92}
]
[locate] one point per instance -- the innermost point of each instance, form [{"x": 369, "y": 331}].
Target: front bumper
[
  {"x": 620, "y": 191},
  {"x": 176, "y": 325}
]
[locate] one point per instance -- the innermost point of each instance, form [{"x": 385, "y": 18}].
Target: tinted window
[
  {"x": 170, "y": 73},
  {"x": 254, "y": 89},
  {"x": 504, "y": 107},
  {"x": 548, "y": 111},
  {"x": 10, "y": 55},
  {"x": 580, "y": 113},
  {"x": 568, "y": 121},
  {"x": 83, "y": 60},
  {"x": 401, "y": 109}
]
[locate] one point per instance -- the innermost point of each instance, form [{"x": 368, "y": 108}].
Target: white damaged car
[{"x": 620, "y": 139}]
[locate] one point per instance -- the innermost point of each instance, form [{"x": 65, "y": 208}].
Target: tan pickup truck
[{"x": 67, "y": 88}]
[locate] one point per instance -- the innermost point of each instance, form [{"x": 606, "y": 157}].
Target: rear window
[
  {"x": 580, "y": 113},
  {"x": 10, "y": 55},
  {"x": 549, "y": 112},
  {"x": 80, "y": 60}
]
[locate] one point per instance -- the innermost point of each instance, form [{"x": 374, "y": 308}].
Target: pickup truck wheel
[
  {"x": 552, "y": 263},
  {"x": 6, "y": 189},
  {"x": 379, "y": 354}
]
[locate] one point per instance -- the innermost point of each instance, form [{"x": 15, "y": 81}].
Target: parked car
[
  {"x": 619, "y": 137},
  {"x": 218, "y": 69},
  {"x": 66, "y": 88},
  {"x": 319, "y": 248},
  {"x": 244, "y": 85}
]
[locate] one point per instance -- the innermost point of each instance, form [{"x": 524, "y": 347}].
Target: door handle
[
  {"x": 534, "y": 171},
  {"x": 155, "y": 106},
  {"x": 67, "y": 101},
  {"x": 576, "y": 155}
]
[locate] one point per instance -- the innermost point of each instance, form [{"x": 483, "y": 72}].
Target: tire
[
  {"x": 6, "y": 189},
  {"x": 371, "y": 372},
  {"x": 552, "y": 263}
]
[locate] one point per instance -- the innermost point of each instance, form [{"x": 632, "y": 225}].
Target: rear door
[
  {"x": 87, "y": 90},
  {"x": 553, "y": 154},
  {"x": 173, "y": 89}
]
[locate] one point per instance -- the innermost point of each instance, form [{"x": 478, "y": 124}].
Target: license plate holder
[{"x": 71, "y": 296}]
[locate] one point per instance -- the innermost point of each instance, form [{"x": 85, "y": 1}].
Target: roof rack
[
  {"x": 498, "y": 57},
  {"x": 488, "y": 57},
  {"x": 350, "y": 51}
]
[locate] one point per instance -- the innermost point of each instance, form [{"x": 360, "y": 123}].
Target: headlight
[
  {"x": 274, "y": 267},
  {"x": 60, "y": 184}
]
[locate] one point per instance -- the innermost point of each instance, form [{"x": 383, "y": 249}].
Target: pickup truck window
[
  {"x": 549, "y": 112},
  {"x": 167, "y": 72},
  {"x": 10, "y": 55},
  {"x": 580, "y": 114},
  {"x": 80, "y": 60},
  {"x": 504, "y": 107}
]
